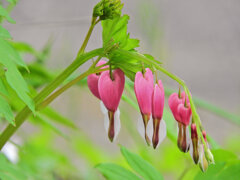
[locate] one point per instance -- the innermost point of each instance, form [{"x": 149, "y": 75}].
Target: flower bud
[
  {"x": 209, "y": 157},
  {"x": 107, "y": 9},
  {"x": 143, "y": 87},
  {"x": 203, "y": 163},
  {"x": 110, "y": 92},
  {"x": 174, "y": 101},
  {"x": 157, "y": 111},
  {"x": 182, "y": 141},
  {"x": 184, "y": 112},
  {"x": 194, "y": 138}
]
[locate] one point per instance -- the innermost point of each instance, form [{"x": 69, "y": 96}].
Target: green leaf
[
  {"x": 4, "y": 33},
  {"x": 141, "y": 166},
  {"x": 221, "y": 155},
  {"x": 12, "y": 1},
  {"x": 232, "y": 172},
  {"x": 8, "y": 57},
  {"x": 7, "y": 52},
  {"x": 116, "y": 172},
  {"x": 25, "y": 47},
  {"x": 4, "y": 13},
  {"x": 116, "y": 30},
  {"x": 6, "y": 111}
]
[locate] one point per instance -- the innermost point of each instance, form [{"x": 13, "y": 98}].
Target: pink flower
[
  {"x": 92, "y": 80},
  {"x": 194, "y": 137},
  {"x": 173, "y": 102},
  {"x": 184, "y": 112},
  {"x": 110, "y": 91},
  {"x": 143, "y": 87},
  {"x": 157, "y": 110}
]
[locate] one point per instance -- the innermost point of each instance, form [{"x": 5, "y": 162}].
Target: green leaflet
[
  {"x": 141, "y": 166},
  {"x": 6, "y": 111},
  {"x": 9, "y": 58},
  {"x": 116, "y": 30},
  {"x": 4, "y": 33},
  {"x": 116, "y": 172},
  {"x": 4, "y": 14}
]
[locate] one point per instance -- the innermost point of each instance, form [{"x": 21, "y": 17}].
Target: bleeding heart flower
[
  {"x": 92, "y": 80},
  {"x": 173, "y": 102},
  {"x": 157, "y": 111},
  {"x": 110, "y": 91},
  {"x": 194, "y": 137},
  {"x": 143, "y": 87},
  {"x": 184, "y": 112}
]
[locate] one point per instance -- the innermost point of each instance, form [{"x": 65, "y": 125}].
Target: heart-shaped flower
[
  {"x": 157, "y": 111},
  {"x": 110, "y": 90},
  {"x": 143, "y": 86}
]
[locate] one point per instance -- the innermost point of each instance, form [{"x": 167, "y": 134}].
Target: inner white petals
[
  {"x": 150, "y": 129},
  {"x": 117, "y": 123},
  {"x": 162, "y": 132}
]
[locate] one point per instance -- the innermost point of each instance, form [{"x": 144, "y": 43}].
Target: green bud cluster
[{"x": 108, "y": 9}]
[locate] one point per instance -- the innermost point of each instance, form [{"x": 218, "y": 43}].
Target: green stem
[
  {"x": 93, "y": 23},
  {"x": 22, "y": 115},
  {"x": 67, "y": 86},
  {"x": 195, "y": 116}
]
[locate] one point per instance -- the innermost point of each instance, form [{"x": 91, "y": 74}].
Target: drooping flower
[
  {"x": 157, "y": 111},
  {"x": 184, "y": 112},
  {"x": 194, "y": 137},
  {"x": 180, "y": 107},
  {"x": 110, "y": 91},
  {"x": 173, "y": 102},
  {"x": 92, "y": 80},
  {"x": 143, "y": 87}
]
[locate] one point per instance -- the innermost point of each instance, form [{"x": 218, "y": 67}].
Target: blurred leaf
[
  {"x": 5, "y": 14},
  {"x": 116, "y": 29},
  {"x": 57, "y": 117},
  {"x": 116, "y": 172},
  {"x": 142, "y": 167},
  {"x": 8, "y": 57},
  {"x": 45, "y": 122},
  {"x": 10, "y": 171},
  {"x": 221, "y": 155},
  {"x": 87, "y": 149},
  {"x": 24, "y": 47},
  {"x": 4, "y": 33}
]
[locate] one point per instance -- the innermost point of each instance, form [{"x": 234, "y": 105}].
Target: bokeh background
[{"x": 197, "y": 40}]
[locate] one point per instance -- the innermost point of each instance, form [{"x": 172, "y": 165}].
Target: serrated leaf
[
  {"x": 5, "y": 14},
  {"x": 8, "y": 58},
  {"x": 116, "y": 30},
  {"x": 4, "y": 33},
  {"x": 141, "y": 166},
  {"x": 116, "y": 172}
]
